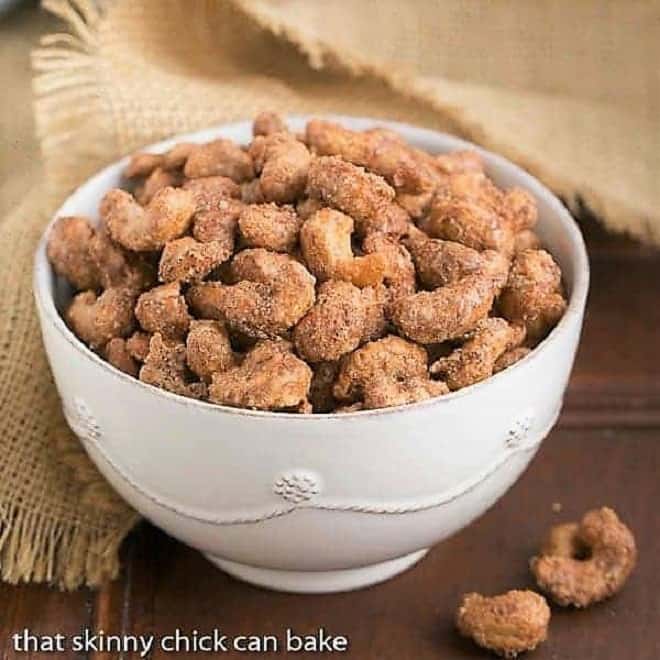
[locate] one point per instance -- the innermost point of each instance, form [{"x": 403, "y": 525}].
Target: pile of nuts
[
  {"x": 580, "y": 564},
  {"x": 326, "y": 272}
]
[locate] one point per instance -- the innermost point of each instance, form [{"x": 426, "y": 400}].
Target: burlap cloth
[{"x": 568, "y": 89}]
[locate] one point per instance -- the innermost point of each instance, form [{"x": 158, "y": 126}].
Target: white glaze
[{"x": 324, "y": 502}]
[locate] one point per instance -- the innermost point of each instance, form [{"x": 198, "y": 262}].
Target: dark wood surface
[{"x": 605, "y": 450}]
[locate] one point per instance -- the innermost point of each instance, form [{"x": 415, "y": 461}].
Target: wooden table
[{"x": 605, "y": 450}]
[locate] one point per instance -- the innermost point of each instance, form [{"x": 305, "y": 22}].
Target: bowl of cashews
[{"x": 311, "y": 348}]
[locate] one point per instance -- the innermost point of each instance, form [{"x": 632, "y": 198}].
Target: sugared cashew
[
  {"x": 188, "y": 260},
  {"x": 416, "y": 205},
  {"x": 118, "y": 267},
  {"x": 282, "y": 162},
  {"x": 270, "y": 377},
  {"x": 366, "y": 197},
  {"x": 156, "y": 181},
  {"x": 459, "y": 162},
  {"x": 219, "y": 158},
  {"x": 167, "y": 216},
  {"x": 510, "y": 357},
  {"x": 471, "y": 223},
  {"x": 399, "y": 274},
  {"x": 212, "y": 192},
  {"x": 390, "y": 158},
  {"x": 431, "y": 317},
  {"x": 176, "y": 157},
  {"x": 508, "y": 624},
  {"x": 163, "y": 309},
  {"x": 387, "y": 372},
  {"x": 118, "y": 355},
  {"x": 526, "y": 240},
  {"x": 273, "y": 292},
  {"x": 97, "y": 320},
  {"x": 68, "y": 249},
  {"x": 269, "y": 226},
  {"x": 219, "y": 225},
  {"x": 142, "y": 164},
  {"x": 165, "y": 367},
  {"x": 268, "y": 122},
  {"x": 519, "y": 207},
  {"x": 325, "y": 241},
  {"x": 583, "y": 564},
  {"x": 339, "y": 321},
  {"x": 532, "y": 294},
  {"x": 475, "y": 360},
  {"x": 137, "y": 345},
  {"x": 441, "y": 262},
  {"x": 208, "y": 349}
]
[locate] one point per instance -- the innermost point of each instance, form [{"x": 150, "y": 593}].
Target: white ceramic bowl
[{"x": 316, "y": 503}]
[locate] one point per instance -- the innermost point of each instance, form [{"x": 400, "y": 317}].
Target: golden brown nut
[
  {"x": 586, "y": 563},
  {"x": 320, "y": 391},
  {"x": 416, "y": 205},
  {"x": 399, "y": 275},
  {"x": 188, "y": 260},
  {"x": 97, "y": 320},
  {"x": 526, "y": 240},
  {"x": 508, "y": 624},
  {"x": 270, "y": 377},
  {"x": 475, "y": 360},
  {"x": 166, "y": 217},
  {"x": 366, "y": 197},
  {"x": 532, "y": 294},
  {"x": 157, "y": 180},
  {"x": 269, "y": 226},
  {"x": 390, "y": 158},
  {"x": 68, "y": 251},
  {"x": 510, "y": 357},
  {"x": 325, "y": 241},
  {"x": 459, "y": 162},
  {"x": 273, "y": 292},
  {"x": 219, "y": 225},
  {"x": 337, "y": 323},
  {"x": 268, "y": 122},
  {"x": 470, "y": 223},
  {"x": 441, "y": 262},
  {"x": 165, "y": 367},
  {"x": 176, "y": 157},
  {"x": 282, "y": 162},
  {"x": 163, "y": 309},
  {"x": 142, "y": 164},
  {"x": 520, "y": 209},
  {"x": 118, "y": 267},
  {"x": 387, "y": 372},
  {"x": 118, "y": 355},
  {"x": 431, "y": 317},
  {"x": 208, "y": 349},
  {"x": 137, "y": 345},
  {"x": 212, "y": 192},
  {"x": 219, "y": 158}
]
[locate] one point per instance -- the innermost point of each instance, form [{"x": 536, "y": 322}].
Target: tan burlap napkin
[{"x": 569, "y": 90}]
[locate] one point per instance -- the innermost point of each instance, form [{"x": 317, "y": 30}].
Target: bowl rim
[{"x": 578, "y": 256}]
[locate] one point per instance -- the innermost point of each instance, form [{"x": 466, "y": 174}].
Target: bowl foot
[{"x": 318, "y": 582}]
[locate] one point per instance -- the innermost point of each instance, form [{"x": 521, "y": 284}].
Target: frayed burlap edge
[
  {"x": 60, "y": 521},
  {"x": 70, "y": 106}
]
